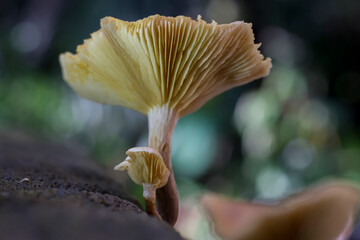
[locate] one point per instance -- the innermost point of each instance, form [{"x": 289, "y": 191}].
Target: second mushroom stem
[
  {"x": 149, "y": 195},
  {"x": 162, "y": 121}
]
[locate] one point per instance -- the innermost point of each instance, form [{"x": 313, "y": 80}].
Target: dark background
[{"x": 261, "y": 141}]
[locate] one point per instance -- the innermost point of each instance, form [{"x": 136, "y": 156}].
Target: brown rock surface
[{"x": 47, "y": 192}]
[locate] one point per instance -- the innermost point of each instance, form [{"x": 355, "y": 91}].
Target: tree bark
[{"x": 47, "y": 192}]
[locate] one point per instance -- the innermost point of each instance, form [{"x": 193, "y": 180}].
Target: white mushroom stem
[
  {"x": 162, "y": 121},
  {"x": 149, "y": 191},
  {"x": 149, "y": 194}
]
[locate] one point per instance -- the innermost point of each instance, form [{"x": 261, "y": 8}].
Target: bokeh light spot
[
  {"x": 272, "y": 183},
  {"x": 314, "y": 115},
  {"x": 26, "y": 37},
  {"x": 222, "y": 11},
  {"x": 257, "y": 142},
  {"x": 193, "y": 146},
  {"x": 298, "y": 154}
]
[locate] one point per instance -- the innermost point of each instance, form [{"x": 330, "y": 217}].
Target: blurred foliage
[{"x": 262, "y": 141}]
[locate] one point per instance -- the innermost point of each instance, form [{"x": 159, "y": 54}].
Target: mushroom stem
[
  {"x": 149, "y": 195},
  {"x": 162, "y": 121}
]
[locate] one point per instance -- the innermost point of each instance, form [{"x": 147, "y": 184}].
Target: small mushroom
[
  {"x": 146, "y": 167},
  {"x": 165, "y": 67},
  {"x": 323, "y": 212}
]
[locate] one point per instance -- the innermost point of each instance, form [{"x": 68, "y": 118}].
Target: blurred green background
[{"x": 261, "y": 141}]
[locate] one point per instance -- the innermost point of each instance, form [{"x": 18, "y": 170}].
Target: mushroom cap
[
  {"x": 145, "y": 165},
  {"x": 163, "y": 60},
  {"x": 322, "y": 212}
]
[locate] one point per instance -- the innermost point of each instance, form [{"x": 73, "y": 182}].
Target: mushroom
[
  {"x": 146, "y": 167},
  {"x": 323, "y": 212},
  {"x": 165, "y": 67}
]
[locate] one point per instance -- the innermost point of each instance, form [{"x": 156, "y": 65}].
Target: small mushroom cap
[
  {"x": 163, "y": 60},
  {"x": 145, "y": 165},
  {"x": 322, "y": 212}
]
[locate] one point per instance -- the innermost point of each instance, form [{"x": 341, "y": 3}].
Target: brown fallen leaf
[{"x": 323, "y": 212}]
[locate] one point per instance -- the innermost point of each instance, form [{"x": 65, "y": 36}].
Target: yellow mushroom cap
[
  {"x": 145, "y": 165},
  {"x": 163, "y": 60}
]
